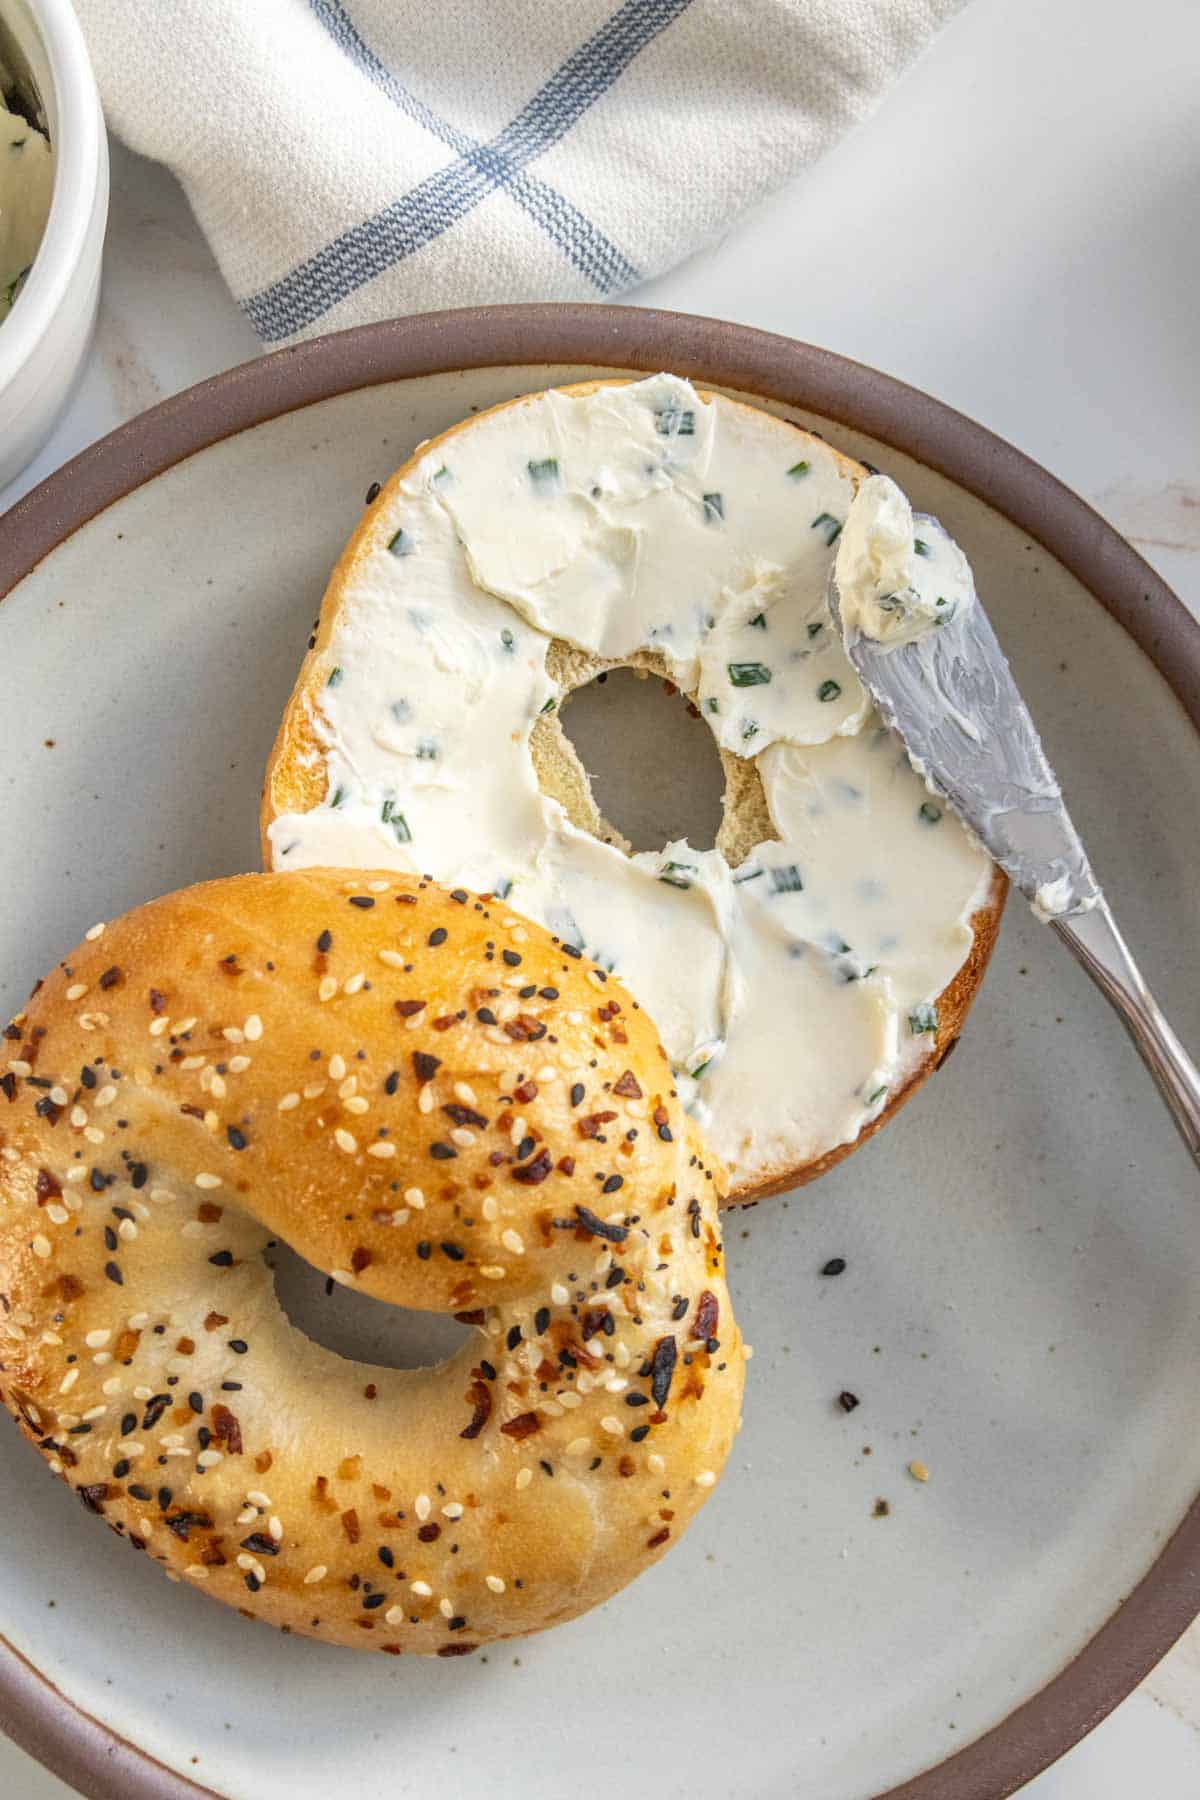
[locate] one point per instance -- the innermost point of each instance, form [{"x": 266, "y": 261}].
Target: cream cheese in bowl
[{"x": 26, "y": 183}]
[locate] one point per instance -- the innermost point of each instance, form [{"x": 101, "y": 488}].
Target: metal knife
[{"x": 952, "y": 699}]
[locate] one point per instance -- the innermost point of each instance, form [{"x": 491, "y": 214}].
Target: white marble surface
[{"x": 1013, "y": 231}]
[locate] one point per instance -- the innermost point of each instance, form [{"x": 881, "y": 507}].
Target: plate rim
[{"x": 34, "y": 1712}]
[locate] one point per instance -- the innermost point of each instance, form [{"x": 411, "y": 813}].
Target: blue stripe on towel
[{"x": 364, "y": 251}]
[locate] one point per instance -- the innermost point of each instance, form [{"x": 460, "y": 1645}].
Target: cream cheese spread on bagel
[{"x": 794, "y": 970}]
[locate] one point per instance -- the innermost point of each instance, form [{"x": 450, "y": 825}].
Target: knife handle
[{"x": 1094, "y": 939}]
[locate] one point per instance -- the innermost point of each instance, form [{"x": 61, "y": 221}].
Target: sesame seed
[
  {"x": 578, "y": 1446},
  {"x": 524, "y": 1477},
  {"x": 490, "y": 1210},
  {"x": 513, "y": 1241},
  {"x": 275, "y": 1527},
  {"x": 95, "y": 932},
  {"x": 208, "y": 1459},
  {"x": 253, "y": 1028},
  {"x": 452, "y": 1509},
  {"x": 158, "y": 1027},
  {"x": 381, "y": 1149},
  {"x": 460, "y": 1135},
  {"x": 104, "y": 1096},
  {"x": 328, "y": 987},
  {"x": 392, "y": 958},
  {"x": 337, "y": 1067},
  {"x": 422, "y": 1507},
  {"x": 41, "y": 1246},
  {"x": 345, "y": 1141},
  {"x": 353, "y": 983},
  {"x": 354, "y": 1103},
  {"x": 422, "y": 1590},
  {"x": 706, "y": 1479},
  {"x": 918, "y": 1471},
  {"x": 68, "y": 1381},
  {"x": 288, "y": 1103},
  {"x": 96, "y": 1340},
  {"x": 93, "y": 1134},
  {"x": 77, "y": 990},
  {"x": 317, "y": 1573},
  {"x": 446, "y": 1608},
  {"x": 208, "y": 1181},
  {"x": 559, "y": 1294},
  {"x": 612, "y": 1425},
  {"x": 314, "y": 1089},
  {"x": 239, "y": 1064},
  {"x": 415, "y": 1198}
]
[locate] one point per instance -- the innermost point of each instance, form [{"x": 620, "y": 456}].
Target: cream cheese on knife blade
[{"x": 792, "y": 992}]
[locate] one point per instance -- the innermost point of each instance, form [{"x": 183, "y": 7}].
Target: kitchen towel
[{"x": 354, "y": 159}]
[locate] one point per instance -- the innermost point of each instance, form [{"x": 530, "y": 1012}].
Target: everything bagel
[{"x": 437, "y": 1104}]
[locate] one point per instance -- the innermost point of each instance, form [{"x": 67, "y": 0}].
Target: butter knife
[{"x": 950, "y": 695}]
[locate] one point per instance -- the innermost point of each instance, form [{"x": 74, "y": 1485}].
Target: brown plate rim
[{"x": 80, "y": 1748}]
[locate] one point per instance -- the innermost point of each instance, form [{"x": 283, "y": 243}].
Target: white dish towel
[{"x": 354, "y": 159}]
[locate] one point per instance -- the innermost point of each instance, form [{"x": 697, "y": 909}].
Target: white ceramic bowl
[{"x": 45, "y": 337}]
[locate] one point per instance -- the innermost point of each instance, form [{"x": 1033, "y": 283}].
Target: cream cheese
[
  {"x": 792, "y": 993},
  {"x": 26, "y": 182},
  {"x": 897, "y": 577}
]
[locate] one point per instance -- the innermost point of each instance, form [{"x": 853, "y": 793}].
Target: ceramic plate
[{"x": 1018, "y": 1309}]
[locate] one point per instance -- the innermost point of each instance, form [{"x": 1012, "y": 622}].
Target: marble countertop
[{"x": 1010, "y": 232}]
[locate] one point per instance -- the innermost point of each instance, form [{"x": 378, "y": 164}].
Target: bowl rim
[
  {"x": 79, "y": 153},
  {"x": 1164, "y": 1602}
]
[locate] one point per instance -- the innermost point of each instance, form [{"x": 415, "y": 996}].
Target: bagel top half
[
  {"x": 436, "y": 1104},
  {"x": 814, "y": 965}
]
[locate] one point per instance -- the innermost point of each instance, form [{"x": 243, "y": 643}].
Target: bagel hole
[
  {"x": 356, "y": 1326},
  {"x": 654, "y": 766}
]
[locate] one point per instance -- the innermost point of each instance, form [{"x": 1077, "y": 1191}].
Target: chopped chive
[
  {"x": 698, "y": 1071},
  {"x": 675, "y": 874},
  {"x": 798, "y": 469},
  {"x": 543, "y": 473},
  {"x": 503, "y": 889},
  {"x": 749, "y": 730},
  {"x": 402, "y": 544},
  {"x": 335, "y": 675},
  {"x": 674, "y": 421},
  {"x": 829, "y": 525},
  {"x": 714, "y": 508},
  {"x": 816, "y": 626},
  {"x": 829, "y": 690},
  {"x": 439, "y": 476},
  {"x": 786, "y": 880},
  {"x": 427, "y": 750},
  {"x": 921, "y": 547},
  {"x": 748, "y": 674},
  {"x": 714, "y": 705},
  {"x": 923, "y": 1018},
  {"x": 15, "y": 285},
  {"x": 339, "y": 794},
  {"x": 877, "y": 1095},
  {"x": 759, "y": 621},
  {"x": 750, "y": 875},
  {"x": 550, "y": 705},
  {"x": 507, "y": 639},
  {"x": 929, "y": 812},
  {"x": 399, "y": 825}
]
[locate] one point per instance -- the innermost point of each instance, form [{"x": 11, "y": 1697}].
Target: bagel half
[{"x": 296, "y": 777}]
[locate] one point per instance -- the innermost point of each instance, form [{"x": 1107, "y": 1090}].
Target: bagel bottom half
[{"x": 438, "y": 1104}]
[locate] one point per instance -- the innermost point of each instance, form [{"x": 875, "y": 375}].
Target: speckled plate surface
[{"x": 1018, "y": 1308}]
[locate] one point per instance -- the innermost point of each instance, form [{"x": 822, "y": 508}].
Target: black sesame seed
[
  {"x": 442, "y": 1152},
  {"x": 128, "y": 1424},
  {"x": 541, "y": 1320},
  {"x": 847, "y": 1401},
  {"x": 638, "y": 1433},
  {"x": 549, "y": 993},
  {"x": 231, "y": 1387},
  {"x": 138, "y": 1174},
  {"x": 437, "y": 937},
  {"x": 237, "y": 1138},
  {"x": 114, "y": 1274},
  {"x": 239, "y": 1346},
  {"x": 485, "y": 1015},
  {"x": 512, "y": 958},
  {"x": 325, "y": 942},
  {"x": 365, "y": 901},
  {"x": 110, "y": 1238},
  {"x": 454, "y": 1251},
  {"x": 222, "y": 1259},
  {"x": 373, "y": 1600},
  {"x": 386, "y": 1557},
  {"x": 424, "y": 1251},
  {"x": 612, "y": 1184},
  {"x": 120, "y": 1470},
  {"x": 487, "y": 1369},
  {"x": 614, "y": 1278},
  {"x": 196, "y": 1402},
  {"x": 577, "y": 1093},
  {"x": 392, "y": 1082},
  {"x": 835, "y": 1266},
  {"x": 514, "y": 1336}
]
